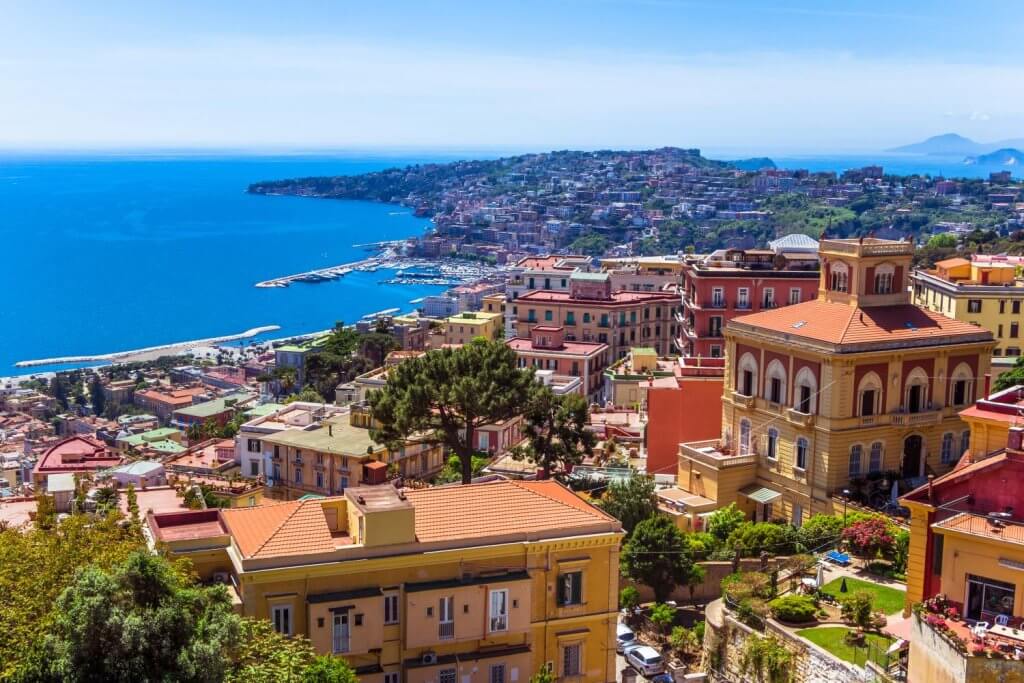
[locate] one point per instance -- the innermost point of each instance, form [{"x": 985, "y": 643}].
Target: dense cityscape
[{"x": 672, "y": 419}]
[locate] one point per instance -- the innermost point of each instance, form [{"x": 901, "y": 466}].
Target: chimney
[
  {"x": 988, "y": 384},
  {"x": 1015, "y": 439},
  {"x": 931, "y": 488}
]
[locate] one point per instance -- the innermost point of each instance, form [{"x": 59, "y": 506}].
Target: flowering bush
[
  {"x": 935, "y": 620},
  {"x": 977, "y": 649},
  {"x": 952, "y": 613},
  {"x": 869, "y": 537}
]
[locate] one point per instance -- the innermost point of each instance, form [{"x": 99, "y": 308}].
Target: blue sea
[
  {"x": 104, "y": 253},
  {"x": 897, "y": 164},
  {"x": 113, "y": 253}
]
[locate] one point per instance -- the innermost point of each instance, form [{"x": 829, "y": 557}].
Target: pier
[{"x": 323, "y": 274}]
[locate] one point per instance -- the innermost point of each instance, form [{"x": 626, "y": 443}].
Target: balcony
[
  {"x": 799, "y": 418},
  {"x": 715, "y": 304},
  {"x": 446, "y": 630},
  {"x": 743, "y": 399},
  {"x": 743, "y": 306},
  {"x": 925, "y": 417},
  {"x": 714, "y": 333},
  {"x": 714, "y": 454}
]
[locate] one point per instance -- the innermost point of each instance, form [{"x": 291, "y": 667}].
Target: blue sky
[{"x": 752, "y": 76}]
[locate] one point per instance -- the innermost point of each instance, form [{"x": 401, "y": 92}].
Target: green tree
[
  {"x": 629, "y": 598},
  {"x": 96, "y": 395},
  {"x": 856, "y": 609},
  {"x": 140, "y": 622},
  {"x": 307, "y": 395},
  {"x": 444, "y": 396},
  {"x": 59, "y": 389},
  {"x": 819, "y": 531},
  {"x": 630, "y": 501},
  {"x": 556, "y": 431},
  {"x": 1011, "y": 377},
  {"x": 376, "y": 345},
  {"x": 326, "y": 669},
  {"x": 722, "y": 522},
  {"x": 751, "y": 539},
  {"x": 46, "y": 511},
  {"x": 942, "y": 241},
  {"x": 662, "y": 616},
  {"x": 542, "y": 676},
  {"x": 658, "y": 556},
  {"x": 695, "y": 578}
]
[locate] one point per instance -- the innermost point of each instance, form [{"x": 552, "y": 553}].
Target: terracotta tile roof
[
  {"x": 76, "y": 454},
  {"x": 841, "y": 324},
  {"x": 617, "y": 298},
  {"x": 292, "y": 528},
  {"x": 952, "y": 262},
  {"x": 452, "y": 513}
]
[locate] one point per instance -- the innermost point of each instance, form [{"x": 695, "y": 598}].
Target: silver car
[
  {"x": 624, "y": 637},
  {"x": 646, "y": 660}
]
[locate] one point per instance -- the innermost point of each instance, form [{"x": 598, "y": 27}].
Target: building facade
[
  {"x": 467, "y": 326},
  {"x": 547, "y": 349},
  {"x": 822, "y": 394},
  {"x": 476, "y": 584}
]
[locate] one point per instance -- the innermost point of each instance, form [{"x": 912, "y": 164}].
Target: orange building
[{"x": 472, "y": 584}]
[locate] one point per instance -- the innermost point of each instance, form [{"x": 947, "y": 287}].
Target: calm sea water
[
  {"x": 111, "y": 254},
  {"x": 899, "y": 164}
]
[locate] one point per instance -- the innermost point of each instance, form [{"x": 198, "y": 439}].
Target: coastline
[{"x": 150, "y": 352}]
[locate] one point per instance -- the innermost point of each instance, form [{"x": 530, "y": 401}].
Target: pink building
[
  {"x": 76, "y": 455},
  {"x": 547, "y": 349}
]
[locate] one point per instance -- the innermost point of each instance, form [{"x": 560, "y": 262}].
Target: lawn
[
  {"x": 886, "y": 600},
  {"x": 832, "y": 638}
]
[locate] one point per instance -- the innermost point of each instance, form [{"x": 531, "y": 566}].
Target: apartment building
[
  {"x": 733, "y": 282},
  {"x": 253, "y": 456},
  {"x": 547, "y": 273},
  {"x": 985, "y": 290},
  {"x": 547, "y": 349},
  {"x": 163, "y": 402},
  {"x": 467, "y": 326},
  {"x": 463, "y": 584},
  {"x": 856, "y": 382},
  {"x": 338, "y": 452},
  {"x": 591, "y": 312}
]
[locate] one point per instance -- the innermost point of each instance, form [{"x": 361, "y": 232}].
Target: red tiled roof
[
  {"x": 76, "y": 454},
  {"x": 617, "y": 298},
  {"x": 842, "y": 324},
  {"x": 570, "y": 347}
]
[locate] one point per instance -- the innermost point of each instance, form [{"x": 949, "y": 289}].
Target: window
[
  {"x": 974, "y": 305},
  {"x": 254, "y": 468},
  {"x": 715, "y": 326},
  {"x": 743, "y": 298},
  {"x": 391, "y": 677},
  {"x": 946, "y": 454},
  {"x": 744, "y": 437},
  {"x": 571, "y": 660},
  {"x": 718, "y": 297},
  {"x": 496, "y": 673},
  {"x": 570, "y": 588},
  {"x": 499, "y": 610},
  {"x": 959, "y": 392},
  {"x": 806, "y": 385},
  {"x": 531, "y": 315},
  {"x": 277, "y": 472},
  {"x": 254, "y": 446},
  {"x": 769, "y": 297},
  {"x": 548, "y": 315},
  {"x": 748, "y": 383},
  {"x": 883, "y": 279},
  {"x": 748, "y": 374},
  {"x": 446, "y": 618},
  {"x": 281, "y": 616},
  {"x": 965, "y": 441},
  {"x": 586, "y": 317},
  {"x": 875, "y": 463},
  {"x": 446, "y": 676},
  {"x": 391, "y": 608},
  {"x": 794, "y": 295},
  {"x": 319, "y": 480},
  {"x": 855, "y": 451},
  {"x": 1014, "y": 330},
  {"x": 798, "y": 515},
  {"x": 1002, "y": 306},
  {"x": 716, "y": 351},
  {"x": 773, "y": 444},
  {"x": 840, "y": 277},
  {"x": 298, "y": 475},
  {"x": 1016, "y": 308},
  {"x": 775, "y": 389},
  {"x": 801, "y": 453},
  {"x": 867, "y": 402},
  {"x": 999, "y": 330},
  {"x": 340, "y": 633}
]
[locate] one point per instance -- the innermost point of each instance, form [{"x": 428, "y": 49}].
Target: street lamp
[{"x": 846, "y": 499}]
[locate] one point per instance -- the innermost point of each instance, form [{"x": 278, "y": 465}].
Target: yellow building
[
  {"x": 967, "y": 544},
  {"x": 847, "y": 387},
  {"x": 463, "y": 584},
  {"x": 467, "y": 326},
  {"x": 336, "y": 453},
  {"x": 984, "y": 291}
]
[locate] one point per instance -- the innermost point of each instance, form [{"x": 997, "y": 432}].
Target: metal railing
[{"x": 446, "y": 630}]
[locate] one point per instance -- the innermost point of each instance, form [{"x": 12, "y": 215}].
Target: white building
[{"x": 250, "y": 451}]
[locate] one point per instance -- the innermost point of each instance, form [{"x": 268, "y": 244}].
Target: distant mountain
[
  {"x": 949, "y": 144},
  {"x": 953, "y": 145},
  {"x": 1007, "y": 156},
  {"x": 755, "y": 164}
]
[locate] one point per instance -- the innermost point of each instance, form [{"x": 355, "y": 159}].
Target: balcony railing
[
  {"x": 795, "y": 416},
  {"x": 921, "y": 418},
  {"x": 742, "y": 399},
  {"x": 446, "y": 630},
  {"x": 713, "y": 454},
  {"x": 743, "y": 306}
]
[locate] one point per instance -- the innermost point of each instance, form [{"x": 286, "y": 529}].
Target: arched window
[
  {"x": 915, "y": 394},
  {"x": 744, "y": 437},
  {"x": 840, "y": 273},
  {"x": 869, "y": 395},
  {"x": 773, "y": 444},
  {"x": 801, "y": 453},
  {"x": 855, "y": 452},
  {"x": 961, "y": 386},
  {"x": 746, "y": 380},
  {"x": 884, "y": 275},
  {"x": 775, "y": 382},
  {"x": 946, "y": 454},
  {"x": 965, "y": 442},
  {"x": 804, "y": 399},
  {"x": 875, "y": 463}
]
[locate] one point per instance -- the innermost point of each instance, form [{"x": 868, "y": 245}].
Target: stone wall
[
  {"x": 725, "y": 639},
  {"x": 711, "y": 589}
]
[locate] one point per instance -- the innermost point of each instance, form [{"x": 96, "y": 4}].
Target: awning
[{"x": 760, "y": 494}]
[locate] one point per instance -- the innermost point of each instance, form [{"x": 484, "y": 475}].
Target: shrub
[
  {"x": 796, "y": 609},
  {"x": 698, "y": 630},
  {"x": 869, "y": 537},
  {"x": 752, "y": 612},
  {"x": 744, "y": 585},
  {"x": 629, "y": 597},
  {"x": 856, "y": 609},
  {"x": 683, "y": 640},
  {"x": 724, "y": 521},
  {"x": 663, "y": 616},
  {"x": 900, "y": 551},
  {"x": 768, "y": 659},
  {"x": 819, "y": 530},
  {"x": 775, "y": 539},
  {"x": 702, "y": 544}
]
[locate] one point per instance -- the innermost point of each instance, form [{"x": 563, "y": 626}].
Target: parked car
[
  {"x": 624, "y": 637},
  {"x": 646, "y": 660}
]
